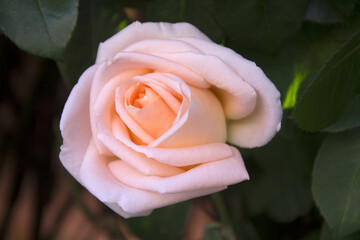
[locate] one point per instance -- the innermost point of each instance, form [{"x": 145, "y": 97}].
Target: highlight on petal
[
  {"x": 186, "y": 156},
  {"x": 151, "y": 46}
]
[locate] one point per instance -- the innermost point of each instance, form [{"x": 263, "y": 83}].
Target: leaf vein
[{"x": 43, "y": 18}]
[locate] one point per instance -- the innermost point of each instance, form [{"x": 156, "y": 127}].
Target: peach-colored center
[
  {"x": 149, "y": 109},
  {"x": 143, "y": 96}
]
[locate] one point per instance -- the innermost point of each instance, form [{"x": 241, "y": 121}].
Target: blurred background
[{"x": 295, "y": 42}]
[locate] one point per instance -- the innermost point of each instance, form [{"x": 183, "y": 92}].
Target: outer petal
[
  {"x": 259, "y": 127},
  {"x": 75, "y": 124},
  {"x": 208, "y": 175},
  {"x": 128, "y": 202},
  {"x": 130, "y": 61},
  {"x": 140, "y": 31}
]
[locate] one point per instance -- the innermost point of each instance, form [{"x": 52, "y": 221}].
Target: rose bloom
[{"x": 146, "y": 125}]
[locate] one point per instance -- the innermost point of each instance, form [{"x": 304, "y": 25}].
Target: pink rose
[{"x": 146, "y": 125}]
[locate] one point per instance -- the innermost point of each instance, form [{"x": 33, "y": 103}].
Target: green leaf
[
  {"x": 332, "y": 89},
  {"x": 196, "y": 12},
  {"x": 336, "y": 182},
  {"x": 98, "y": 20},
  {"x": 349, "y": 119},
  {"x": 280, "y": 175},
  {"x": 291, "y": 68},
  {"x": 164, "y": 223},
  {"x": 40, "y": 27},
  {"x": 260, "y": 24}
]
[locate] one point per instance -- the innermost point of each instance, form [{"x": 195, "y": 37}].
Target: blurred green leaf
[
  {"x": 244, "y": 229},
  {"x": 291, "y": 95},
  {"x": 214, "y": 231},
  {"x": 41, "y": 27},
  {"x": 140, "y": 4},
  {"x": 345, "y": 8},
  {"x": 327, "y": 234},
  {"x": 320, "y": 11},
  {"x": 336, "y": 182},
  {"x": 349, "y": 119},
  {"x": 197, "y": 12},
  {"x": 280, "y": 174},
  {"x": 164, "y": 223},
  {"x": 314, "y": 46},
  {"x": 329, "y": 11},
  {"x": 332, "y": 89},
  {"x": 262, "y": 24},
  {"x": 98, "y": 20},
  {"x": 123, "y": 24},
  {"x": 314, "y": 235}
]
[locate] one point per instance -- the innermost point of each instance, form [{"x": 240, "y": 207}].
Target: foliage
[
  {"x": 41, "y": 27},
  {"x": 305, "y": 183},
  {"x": 336, "y": 182}
]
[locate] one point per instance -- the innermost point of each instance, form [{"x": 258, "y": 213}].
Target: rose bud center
[{"x": 149, "y": 109}]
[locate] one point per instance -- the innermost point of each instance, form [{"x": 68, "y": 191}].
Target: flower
[{"x": 146, "y": 125}]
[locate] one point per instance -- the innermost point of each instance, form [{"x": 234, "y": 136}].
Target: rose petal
[
  {"x": 135, "y": 61},
  {"x": 195, "y": 127},
  {"x": 156, "y": 117},
  {"x": 147, "y": 166},
  {"x": 97, "y": 178},
  {"x": 143, "y": 127},
  {"x": 132, "y": 125},
  {"x": 140, "y": 31},
  {"x": 170, "y": 94},
  {"x": 102, "y": 107},
  {"x": 170, "y": 156},
  {"x": 213, "y": 174},
  {"x": 237, "y": 96},
  {"x": 198, "y": 128},
  {"x": 160, "y": 46},
  {"x": 75, "y": 119},
  {"x": 261, "y": 126}
]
